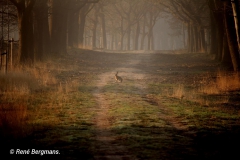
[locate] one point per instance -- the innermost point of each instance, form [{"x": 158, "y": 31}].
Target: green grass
[
  {"x": 195, "y": 112},
  {"x": 61, "y": 116},
  {"x": 139, "y": 126},
  {"x": 132, "y": 111}
]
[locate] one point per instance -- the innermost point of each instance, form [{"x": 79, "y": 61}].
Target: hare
[{"x": 118, "y": 79}]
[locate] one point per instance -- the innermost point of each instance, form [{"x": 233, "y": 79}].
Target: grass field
[{"x": 169, "y": 106}]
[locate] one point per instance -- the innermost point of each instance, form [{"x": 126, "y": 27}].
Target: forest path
[
  {"x": 133, "y": 75},
  {"x": 157, "y": 112},
  {"x": 108, "y": 147}
]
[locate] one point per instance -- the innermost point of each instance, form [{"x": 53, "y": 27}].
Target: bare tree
[{"x": 25, "y": 24}]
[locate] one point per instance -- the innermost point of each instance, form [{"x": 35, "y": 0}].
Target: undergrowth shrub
[
  {"x": 223, "y": 83},
  {"x": 16, "y": 88},
  {"x": 210, "y": 89}
]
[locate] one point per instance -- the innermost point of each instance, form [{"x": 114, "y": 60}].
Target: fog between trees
[{"x": 47, "y": 28}]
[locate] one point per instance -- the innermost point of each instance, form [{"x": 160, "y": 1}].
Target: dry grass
[
  {"x": 42, "y": 73},
  {"x": 224, "y": 82},
  {"x": 179, "y": 92},
  {"x": 17, "y": 87},
  {"x": 15, "y": 83},
  {"x": 32, "y": 97},
  {"x": 13, "y": 118},
  {"x": 210, "y": 90},
  {"x": 67, "y": 87}
]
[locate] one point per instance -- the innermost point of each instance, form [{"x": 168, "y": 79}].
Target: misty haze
[{"x": 120, "y": 79}]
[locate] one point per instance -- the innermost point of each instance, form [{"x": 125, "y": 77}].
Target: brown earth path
[{"x": 109, "y": 148}]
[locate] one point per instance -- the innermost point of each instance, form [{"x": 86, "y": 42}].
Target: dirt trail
[{"x": 109, "y": 148}]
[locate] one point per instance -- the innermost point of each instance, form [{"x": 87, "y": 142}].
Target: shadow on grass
[
  {"x": 71, "y": 142},
  {"x": 169, "y": 143},
  {"x": 142, "y": 142},
  {"x": 218, "y": 143}
]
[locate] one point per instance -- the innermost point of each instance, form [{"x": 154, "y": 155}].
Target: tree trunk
[
  {"x": 226, "y": 58},
  {"x": 73, "y": 28},
  {"x": 82, "y": 21},
  {"x": 189, "y": 37},
  {"x": 195, "y": 37},
  {"x": 192, "y": 39},
  {"x": 128, "y": 33},
  {"x": 25, "y": 21},
  {"x": 231, "y": 36},
  {"x": 122, "y": 35},
  {"x": 150, "y": 30},
  {"x": 219, "y": 34},
  {"x": 235, "y": 9},
  {"x": 202, "y": 40},
  {"x": 143, "y": 32},
  {"x": 94, "y": 38},
  {"x": 116, "y": 42},
  {"x": 112, "y": 41},
  {"x": 184, "y": 37},
  {"x": 217, "y": 28},
  {"x": 104, "y": 34},
  {"x": 25, "y": 26},
  {"x": 152, "y": 41},
  {"x": 41, "y": 30},
  {"x": 213, "y": 40},
  {"x": 59, "y": 27},
  {"x": 137, "y": 36},
  {"x": 95, "y": 23}
]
